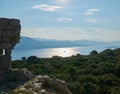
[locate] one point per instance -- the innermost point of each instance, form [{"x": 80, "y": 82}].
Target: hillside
[
  {"x": 96, "y": 73},
  {"x": 30, "y": 43}
]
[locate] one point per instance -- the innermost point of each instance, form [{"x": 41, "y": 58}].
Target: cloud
[
  {"x": 62, "y": 2},
  {"x": 73, "y": 33},
  {"x": 65, "y": 19},
  {"x": 45, "y": 7},
  {"x": 91, "y": 11},
  {"x": 91, "y": 20}
]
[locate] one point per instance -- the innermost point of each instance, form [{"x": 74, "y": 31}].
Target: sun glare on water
[
  {"x": 64, "y": 52},
  {"x": 44, "y": 53}
]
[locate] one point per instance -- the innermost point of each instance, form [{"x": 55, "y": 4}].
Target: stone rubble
[{"x": 37, "y": 86}]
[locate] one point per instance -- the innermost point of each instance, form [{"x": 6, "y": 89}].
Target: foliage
[{"x": 96, "y": 73}]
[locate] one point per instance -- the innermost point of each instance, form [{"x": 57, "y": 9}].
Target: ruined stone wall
[
  {"x": 9, "y": 32},
  {"x": 9, "y": 37}
]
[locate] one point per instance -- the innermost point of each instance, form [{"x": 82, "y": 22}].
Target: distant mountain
[{"x": 31, "y": 43}]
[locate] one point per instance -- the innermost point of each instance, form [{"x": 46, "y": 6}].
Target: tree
[
  {"x": 73, "y": 73},
  {"x": 23, "y": 59},
  {"x": 94, "y": 52},
  {"x": 31, "y": 59},
  {"x": 89, "y": 88}
]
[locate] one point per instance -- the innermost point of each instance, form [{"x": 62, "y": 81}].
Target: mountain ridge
[{"x": 32, "y": 43}]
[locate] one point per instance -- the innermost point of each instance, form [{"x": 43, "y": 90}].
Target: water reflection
[
  {"x": 63, "y": 52},
  {"x": 43, "y": 53}
]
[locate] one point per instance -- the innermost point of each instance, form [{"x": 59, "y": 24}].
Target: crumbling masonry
[{"x": 9, "y": 37}]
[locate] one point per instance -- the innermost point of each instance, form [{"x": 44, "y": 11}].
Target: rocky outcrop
[
  {"x": 26, "y": 83},
  {"x": 42, "y": 85},
  {"x": 15, "y": 75},
  {"x": 13, "y": 78},
  {"x": 21, "y": 81}
]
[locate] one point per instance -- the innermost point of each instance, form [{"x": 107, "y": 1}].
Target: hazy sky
[{"x": 66, "y": 19}]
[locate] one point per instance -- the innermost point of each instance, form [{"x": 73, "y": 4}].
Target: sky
[{"x": 66, "y": 19}]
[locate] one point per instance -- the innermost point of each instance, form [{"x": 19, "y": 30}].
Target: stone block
[
  {"x": 9, "y": 28},
  {"x": 5, "y": 62},
  {"x": 6, "y": 39},
  {"x": 17, "y": 26},
  {"x": 16, "y": 33},
  {"x": 14, "y": 22},
  {"x": 4, "y": 21},
  {"x": 0, "y": 39},
  {"x": 9, "y": 33},
  {"x": 0, "y": 32}
]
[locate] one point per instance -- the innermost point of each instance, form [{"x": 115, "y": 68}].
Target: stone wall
[
  {"x": 9, "y": 32},
  {"x": 9, "y": 37}
]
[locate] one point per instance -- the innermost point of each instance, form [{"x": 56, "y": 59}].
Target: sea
[{"x": 50, "y": 52}]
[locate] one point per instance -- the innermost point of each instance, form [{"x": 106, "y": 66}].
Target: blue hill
[{"x": 31, "y": 43}]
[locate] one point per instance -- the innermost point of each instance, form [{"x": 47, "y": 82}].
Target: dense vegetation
[{"x": 96, "y": 73}]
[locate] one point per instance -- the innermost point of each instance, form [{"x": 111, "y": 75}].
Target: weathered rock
[
  {"x": 59, "y": 85},
  {"x": 43, "y": 91},
  {"x": 44, "y": 78},
  {"x": 55, "y": 83},
  {"x": 9, "y": 37},
  {"x": 22, "y": 74},
  {"x": 56, "y": 86},
  {"x": 16, "y": 75},
  {"x": 10, "y": 29}
]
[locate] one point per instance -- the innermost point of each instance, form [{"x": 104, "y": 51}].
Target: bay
[{"x": 49, "y": 52}]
